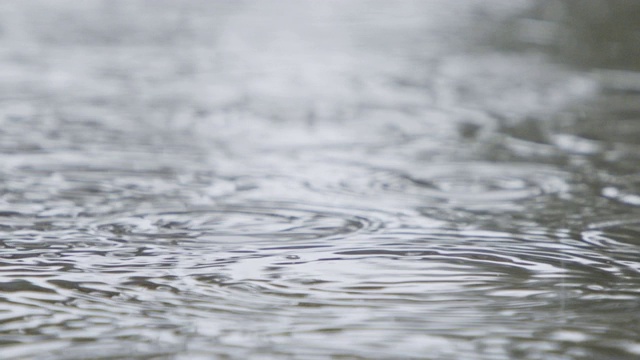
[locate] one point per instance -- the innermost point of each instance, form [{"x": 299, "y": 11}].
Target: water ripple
[
  {"x": 616, "y": 234},
  {"x": 173, "y": 271},
  {"x": 257, "y": 222},
  {"x": 466, "y": 186}
]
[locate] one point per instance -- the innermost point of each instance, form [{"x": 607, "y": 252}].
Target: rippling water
[{"x": 312, "y": 180}]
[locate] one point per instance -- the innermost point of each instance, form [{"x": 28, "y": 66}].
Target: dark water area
[{"x": 319, "y": 179}]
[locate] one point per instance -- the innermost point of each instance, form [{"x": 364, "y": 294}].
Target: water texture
[{"x": 318, "y": 180}]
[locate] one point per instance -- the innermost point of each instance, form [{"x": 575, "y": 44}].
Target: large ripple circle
[{"x": 274, "y": 222}]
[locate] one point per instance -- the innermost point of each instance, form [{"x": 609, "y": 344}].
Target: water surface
[{"x": 317, "y": 180}]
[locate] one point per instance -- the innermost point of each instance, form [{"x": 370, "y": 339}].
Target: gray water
[{"x": 319, "y": 180}]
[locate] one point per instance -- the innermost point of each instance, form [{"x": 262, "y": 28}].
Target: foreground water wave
[{"x": 306, "y": 180}]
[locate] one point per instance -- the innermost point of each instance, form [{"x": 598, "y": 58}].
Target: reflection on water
[
  {"x": 585, "y": 32},
  {"x": 315, "y": 180}
]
